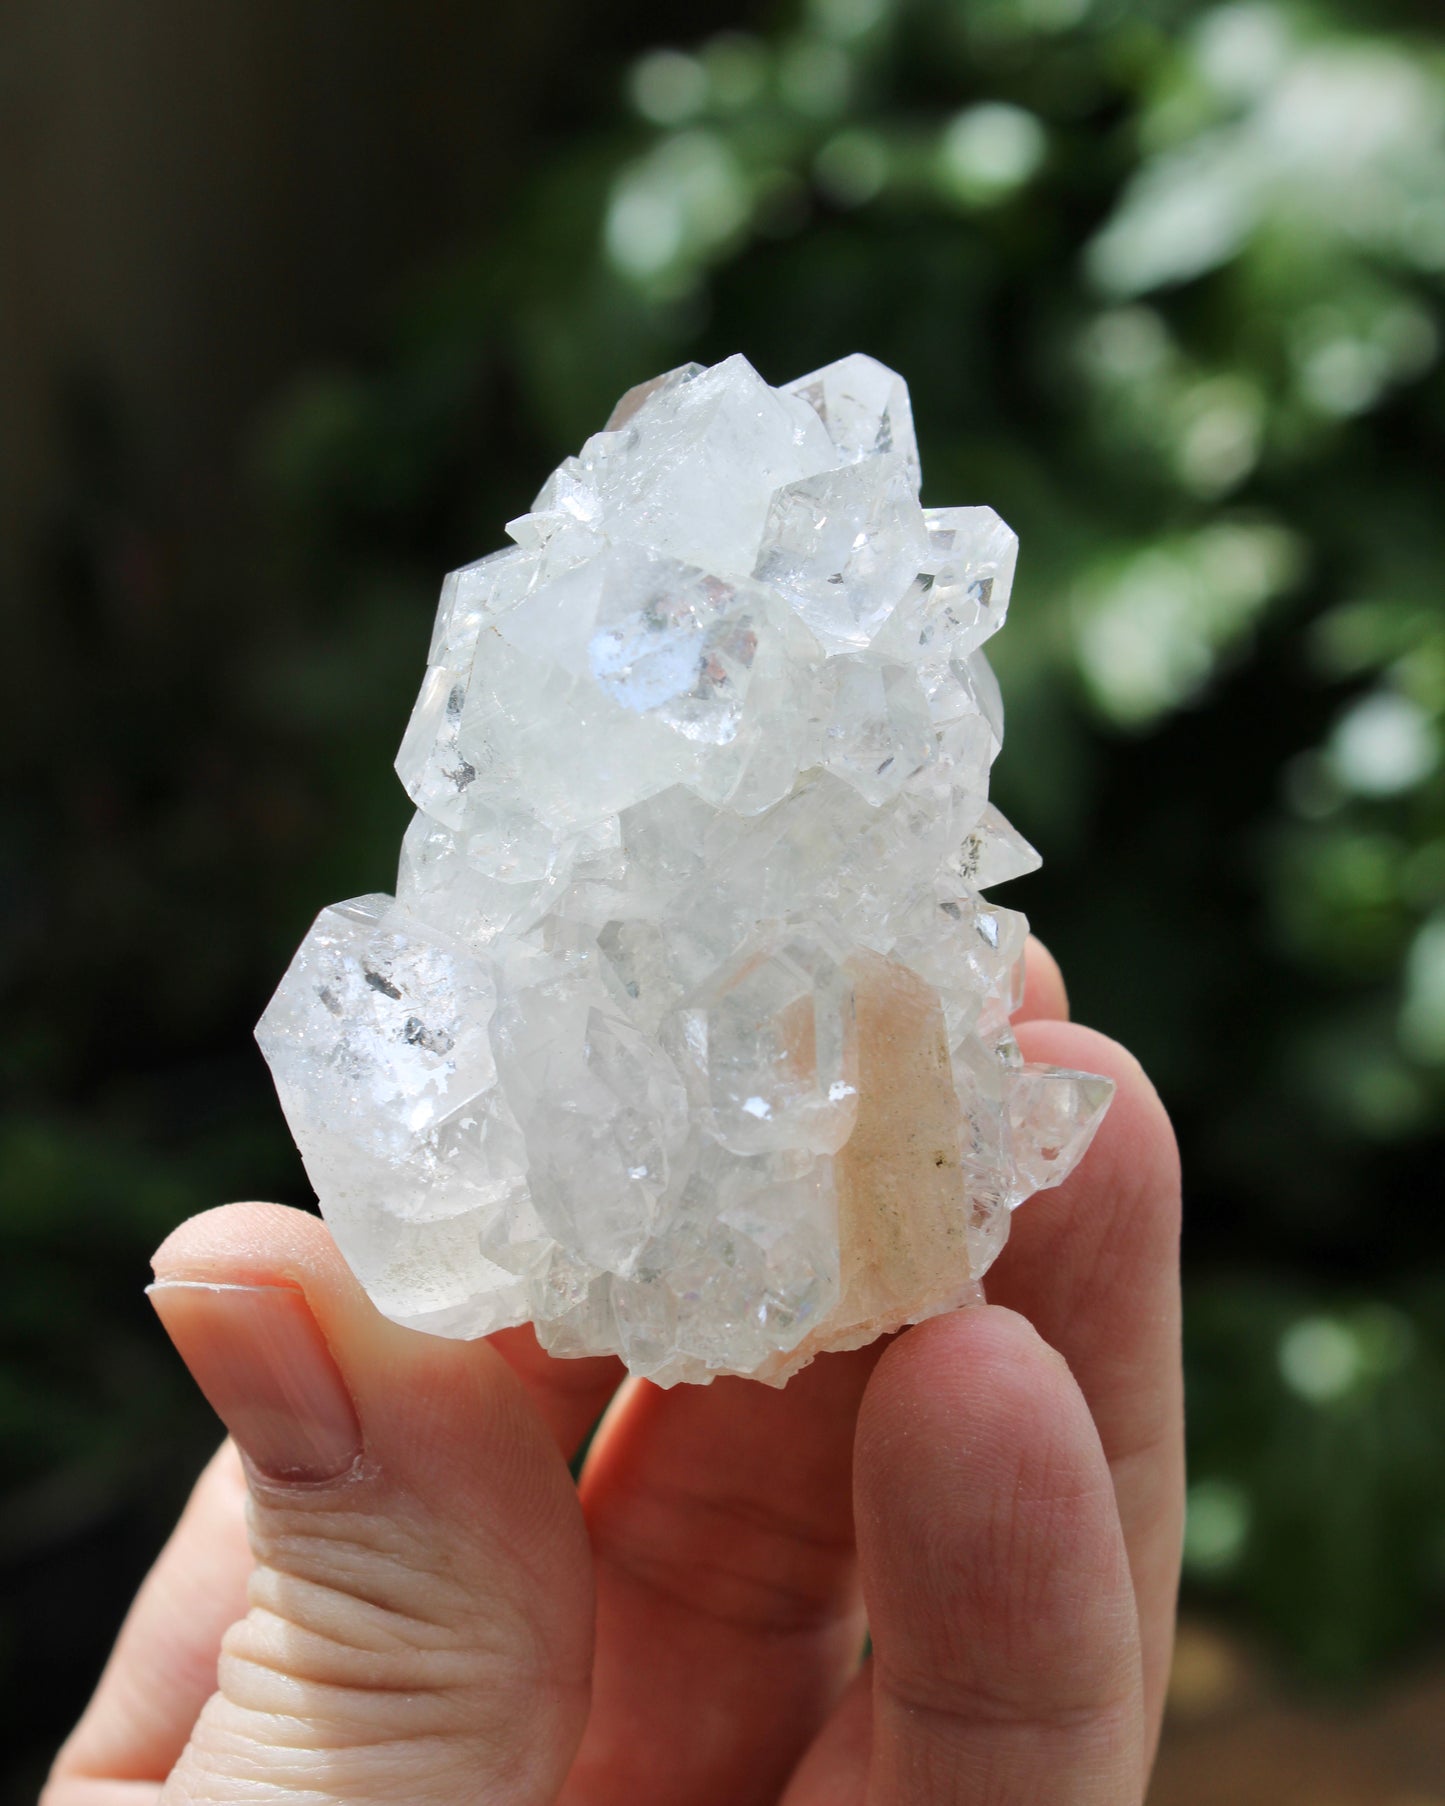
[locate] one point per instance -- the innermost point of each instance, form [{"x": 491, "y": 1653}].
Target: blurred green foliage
[
  {"x": 1166, "y": 280},
  {"x": 1167, "y": 286},
  {"x": 1167, "y": 283}
]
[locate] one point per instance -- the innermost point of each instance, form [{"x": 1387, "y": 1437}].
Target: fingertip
[
  {"x": 238, "y": 1266},
  {"x": 1095, "y": 1262},
  {"x": 245, "y": 1243},
  {"x": 1045, "y": 996},
  {"x": 956, "y": 1351},
  {"x": 259, "y": 1356},
  {"x": 961, "y": 1390},
  {"x": 1136, "y": 1128},
  {"x": 393, "y": 1476},
  {"x": 256, "y": 1246},
  {"x": 410, "y": 1389},
  {"x": 1095, "y": 1259},
  {"x": 969, "y": 1417},
  {"x": 993, "y": 1561}
]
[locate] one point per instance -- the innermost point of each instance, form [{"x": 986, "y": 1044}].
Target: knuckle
[{"x": 740, "y": 1561}]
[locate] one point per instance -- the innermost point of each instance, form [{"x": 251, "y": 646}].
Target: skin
[{"x": 996, "y": 1496}]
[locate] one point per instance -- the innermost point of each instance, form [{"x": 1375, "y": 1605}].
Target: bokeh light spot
[
  {"x": 815, "y": 77},
  {"x": 668, "y": 87},
  {"x": 1216, "y": 1526},
  {"x": 1422, "y": 1017},
  {"x": 988, "y": 151},
  {"x": 848, "y": 19},
  {"x": 1319, "y": 1359},
  {"x": 852, "y": 168},
  {"x": 736, "y": 66},
  {"x": 1239, "y": 50},
  {"x": 1383, "y": 745}
]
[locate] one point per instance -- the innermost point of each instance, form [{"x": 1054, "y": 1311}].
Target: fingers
[
  {"x": 163, "y": 1668},
  {"x": 1006, "y": 1658},
  {"x": 80, "y": 1790},
  {"x": 419, "y": 1622},
  {"x": 1044, "y": 992},
  {"x": 834, "y": 1772},
  {"x": 728, "y": 1612},
  {"x": 719, "y": 1517},
  {"x": 569, "y": 1396},
  {"x": 1094, "y": 1265}
]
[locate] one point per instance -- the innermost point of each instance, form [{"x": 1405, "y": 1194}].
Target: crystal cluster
[{"x": 686, "y": 1034}]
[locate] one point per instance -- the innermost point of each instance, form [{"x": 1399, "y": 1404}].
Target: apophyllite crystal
[{"x": 686, "y": 1034}]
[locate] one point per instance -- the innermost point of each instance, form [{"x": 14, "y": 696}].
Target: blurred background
[{"x": 299, "y": 304}]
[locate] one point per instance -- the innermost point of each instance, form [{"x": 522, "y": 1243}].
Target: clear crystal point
[
  {"x": 865, "y": 408},
  {"x": 686, "y": 1035},
  {"x": 768, "y": 1046},
  {"x": 1053, "y": 1114},
  {"x": 843, "y": 546}
]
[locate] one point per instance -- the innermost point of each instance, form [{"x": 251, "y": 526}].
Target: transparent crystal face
[
  {"x": 686, "y": 1035},
  {"x": 673, "y": 642},
  {"x": 865, "y": 408},
  {"x": 768, "y": 1046},
  {"x": 844, "y": 546}
]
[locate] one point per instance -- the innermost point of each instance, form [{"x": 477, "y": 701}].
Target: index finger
[
  {"x": 1044, "y": 992},
  {"x": 1094, "y": 1265},
  {"x": 568, "y": 1395},
  {"x": 1006, "y": 1642},
  {"x": 163, "y": 1668}
]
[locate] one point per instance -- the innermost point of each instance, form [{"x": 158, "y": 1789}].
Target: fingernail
[{"x": 260, "y": 1358}]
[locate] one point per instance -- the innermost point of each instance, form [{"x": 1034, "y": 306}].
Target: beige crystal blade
[{"x": 902, "y": 1204}]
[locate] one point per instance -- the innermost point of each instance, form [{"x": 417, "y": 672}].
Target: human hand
[{"x": 428, "y": 1610}]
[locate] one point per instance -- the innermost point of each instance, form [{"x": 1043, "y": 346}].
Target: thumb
[{"x": 420, "y": 1610}]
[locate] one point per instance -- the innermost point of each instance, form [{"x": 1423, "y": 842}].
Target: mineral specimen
[{"x": 686, "y": 1034}]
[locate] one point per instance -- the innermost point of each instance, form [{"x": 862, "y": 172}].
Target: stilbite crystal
[{"x": 687, "y": 1032}]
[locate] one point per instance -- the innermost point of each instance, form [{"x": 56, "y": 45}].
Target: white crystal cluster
[{"x": 686, "y": 1034}]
